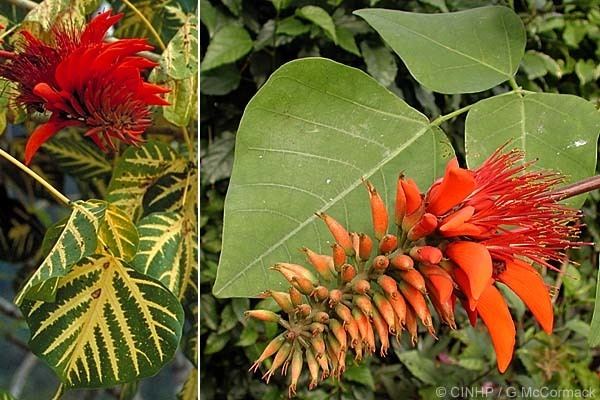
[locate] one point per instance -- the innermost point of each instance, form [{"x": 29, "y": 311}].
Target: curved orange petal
[
  {"x": 413, "y": 195},
  {"x": 456, "y": 185},
  {"x": 41, "y": 134},
  {"x": 475, "y": 260},
  {"x": 493, "y": 310},
  {"x": 528, "y": 284}
]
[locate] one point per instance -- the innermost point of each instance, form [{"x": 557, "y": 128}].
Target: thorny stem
[
  {"x": 148, "y": 24},
  {"x": 63, "y": 199}
]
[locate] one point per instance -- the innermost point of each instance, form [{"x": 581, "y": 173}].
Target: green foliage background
[{"x": 242, "y": 43}]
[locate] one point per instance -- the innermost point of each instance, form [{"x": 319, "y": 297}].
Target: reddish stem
[{"x": 574, "y": 189}]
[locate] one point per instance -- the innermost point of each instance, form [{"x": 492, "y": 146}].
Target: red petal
[
  {"x": 495, "y": 315},
  {"x": 475, "y": 260},
  {"x": 413, "y": 196},
  {"x": 456, "y": 185},
  {"x": 528, "y": 284},
  {"x": 462, "y": 280},
  {"x": 41, "y": 134}
]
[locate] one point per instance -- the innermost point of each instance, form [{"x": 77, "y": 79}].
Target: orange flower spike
[
  {"x": 295, "y": 296},
  {"x": 271, "y": 349},
  {"x": 413, "y": 195},
  {"x": 318, "y": 345},
  {"x": 282, "y": 299},
  {"x": 339, "y": 332},
  {"x": 386, "y": 311},
  {"x": 280, "y": 358},
  {"x": 380, "y": 264},
  {"x": 402, "y": 262},
  {"x": 399, "y": 306},
  {"x": 262, "y": 315},
  {"x": 348, "y": 273},
  {"x": 320, "y": 262},
  {"x": 426, "y": 226},
  {"x": 455, "y": 186},
  {"x": 365, "y": 246},
  {"x": 415, "y": 279},
  {"x": 400, "y": 206},
  {"x": 417, "y": 301},
  {"x": 361, "y": 286},
  {"x": 389, "y": 285},
  {"x": 495, "y": 315},
  {"x": 529, "y": 285},
  {"x": 426, "y": 254},
  {"x": 379, "y": 213},
  {"x": 382, "y": 331},
  {"x": 475, "y": 260},
  {"x": 313, "y": 369},
  {"x": 388, "y": 244},
  {"x": 440, "y": 281},
  {"x": 297, "y": 362},
  {"x": 339, "y": 233},
  {"x": 304, "y": 285},
  {"x": 339, "y": 256},
  {"x": 364, "y": 304},
  {"x": 411, "y": 325}
]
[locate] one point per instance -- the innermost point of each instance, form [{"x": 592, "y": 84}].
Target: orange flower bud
[
  {"x": 415, "y": 279},
  {"x": 361, "y": 286},
  {"x": 303, "y": 310},
  {"x": 295, "y": 296},
  {"x": 400, "y": 207},
  {"x": 380, "y": 263},
  {"x": 426, "y": 254},
  {"x": 402, "y": 262},
  {"x": 378, "y": 212},
  {"x": 320, "y": 293},
  {"x": 348, "y": 273},
  {"x": 339, "y": 256},
  {"x": 382, "y": 331},
  {"x": 385, "y": 310},
  {"x": 352, "y": 329},
  {"x": 361, "y": 322},
  {"x": 413, "y": 195},
  {"x": 297, "y": 363},
  {"x": 399, "y": 306},
  {"x": 271, "y": 349},
  {"x": 344, "y": 313},
  {"x": 363, "y": 303},
  {"x": 445, "y": 309},
  {"x": 290, "y": 270},
  {"x": 262, "y": 315},
  {"x": 418, "y": 303},
  {"x": 316, "y": 328},
  {"x": 322, "y": 317},
  {"x": 411, "y": 325},
  {"x": 304, "y": 285},
  {"x": 280, "y": 358},
  {"x": 335, "y": 296},
  {"x": 324, "y": 364},
  {"x": 389, "y": 285},
  {"x": 339, "y": 233},
  {"x": 322, "y": 263},
  {"x": 388, "y": 244},
  {"x": 410, "y": 220},
  {"x": 313, "y": 369},
  {"x": 339, "y": 332},
  {"x": 365, "y": 246},
  {"x": 425, "y": 226},
  {"x": 438, "y": 281},
  {"x": 358, "y": 348},
  {"x": 318, "y": 344},
  {"x": 282, "y": 299}
]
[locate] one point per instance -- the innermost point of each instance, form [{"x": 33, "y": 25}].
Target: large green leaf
[
  {"x": 109, "y": 325},
  {"x": 594, "y": 337},
  {"x": 118, "y": 233},
  {"x": 229, "y": 44},
  {"x": 559, "y": 130},
  {"x": 460, "y": 52},
  {"x": 304, "y": 144},
  {"x": 77, "y": 239},
  {"x": 78, "y": 158},
  {"x": 137, "y": 169}
]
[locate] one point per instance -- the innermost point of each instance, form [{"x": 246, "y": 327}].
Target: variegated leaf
[
  {"x": 118, "y": 233},
  {"x": 189, "y": 391},
  {"x": 167, "y": 251},
  {"x": 77, "y": 158},
  {"x": 167, "y": 194},
  {"x": 137, "y": 170},
  {"x": 109, "y": 325},
  {"x": 4, "y": 395},
  {"x": 190, "y": 348},
  {"x": 78, "y": 239}
]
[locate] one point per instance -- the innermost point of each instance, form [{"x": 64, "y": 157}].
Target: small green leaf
[
  {"x": 281, "y": 4},
  {"x": 218, "y": 160},
  {"x": 109, "y": 325},
  {"x": 118, "y": 233},
  {"x": 346, "y": 40},
  {"x": 77, "y": 240},
  {"x": 586, "y": 71},
  {"x": 320, "y": 18},
  {"x": 381, "y": 63},
  {"x": 460, "y": 52},
  {"x": 292, "y": 26},
  {"x": 419, "y": 365},
  {"x": 594, "y": 337},
  {"x": 360, "y": 374},
  {"x": 541, "y": 124},
  {"x": 534, "y": 65},
  {"x": 215, "y": 343},
  {"x": 229, "y": 44},
  {"x": 220, "y": 81}
]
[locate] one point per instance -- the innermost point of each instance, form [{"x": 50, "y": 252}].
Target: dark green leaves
[
  {"x": 229, "y": 44},
  {"x": 461, "y": 52}
]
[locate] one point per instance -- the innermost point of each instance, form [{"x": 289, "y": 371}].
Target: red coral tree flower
[{"x": 84, "y": 82}]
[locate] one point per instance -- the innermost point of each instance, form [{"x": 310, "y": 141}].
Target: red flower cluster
[
  {"x": 84, "y": 82},
  {"x": 471, "y": 229}
]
